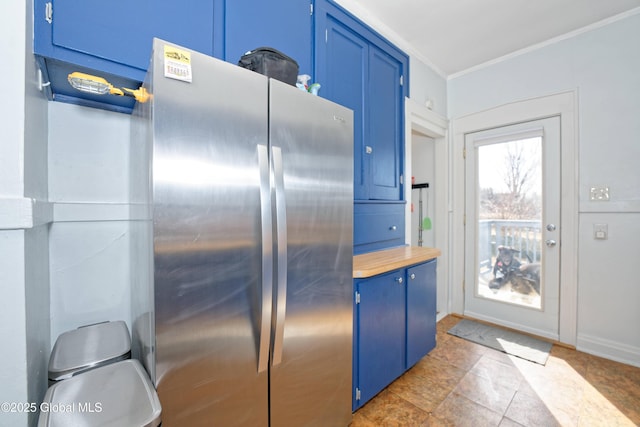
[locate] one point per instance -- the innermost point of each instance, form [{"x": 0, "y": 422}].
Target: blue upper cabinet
[
  {"x": 386, "y": 125},
  {"x": 363, "y": 71},
  {"x": 281, "y": 24},
  {"x": 113, "y": 40},
  {"x": 342, "y": 66}
]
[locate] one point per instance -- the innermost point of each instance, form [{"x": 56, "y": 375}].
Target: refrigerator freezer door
[
  {"x": 208, "y": 243},
  {"x": 311, "y": 372}
]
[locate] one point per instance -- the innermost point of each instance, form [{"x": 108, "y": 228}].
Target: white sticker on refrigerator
[{"x": 177, "y": 64}]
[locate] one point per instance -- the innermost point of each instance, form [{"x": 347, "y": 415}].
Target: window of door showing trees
[{"x": 509, "y": 213}]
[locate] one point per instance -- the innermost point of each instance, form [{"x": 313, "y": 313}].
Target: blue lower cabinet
[
  {"x": 394, "y": 326},
  {"x": 380, "y": 316},
  {"x": 421, "y": 311}
]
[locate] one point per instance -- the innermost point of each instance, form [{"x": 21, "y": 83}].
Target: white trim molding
[
  {"x": 419, "y": 119},
  {"x": 613, "y": 350},
  {"x": 24, "y": 213},
  {"x": 564, "y": 105}
]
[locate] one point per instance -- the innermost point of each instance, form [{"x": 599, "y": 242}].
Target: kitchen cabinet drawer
[{"x": 377, "y": 226}]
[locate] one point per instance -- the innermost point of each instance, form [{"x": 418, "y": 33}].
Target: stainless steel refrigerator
[{"x": 251, "y": 205}]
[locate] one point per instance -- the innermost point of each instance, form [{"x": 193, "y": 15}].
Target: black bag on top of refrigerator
[{"x": 271, "y": 63}]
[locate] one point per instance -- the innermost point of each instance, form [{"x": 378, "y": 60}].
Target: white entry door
[{"x": 512, "y": 226}]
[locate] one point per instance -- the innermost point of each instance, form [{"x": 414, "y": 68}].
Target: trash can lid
[
  {"x": 89, "y": 347},
  {"x": 115, "y": 395}
]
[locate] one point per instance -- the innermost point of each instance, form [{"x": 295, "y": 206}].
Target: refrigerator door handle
[
  {"x": 281, "y": 227},
  {"x": 267, "y": 258}
]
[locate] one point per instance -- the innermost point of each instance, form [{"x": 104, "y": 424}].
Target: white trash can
[{"x": 89, "y": 347}]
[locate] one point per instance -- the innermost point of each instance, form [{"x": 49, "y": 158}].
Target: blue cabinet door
[
  {"x": 380, "y": 333},
  {"x": 421, "y": 311},
  {"x": 341, "y": 67},
  {"x": 113, "y": 39},
  {"x": 282, "y": 24},
  {"x": 386, "y": 125},
  {"x": 361, "y": 70}
]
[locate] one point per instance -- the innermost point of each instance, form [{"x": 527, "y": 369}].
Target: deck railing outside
[{"x": 522, "y": 235}]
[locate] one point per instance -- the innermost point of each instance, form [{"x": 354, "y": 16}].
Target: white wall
[
  {"x": 24, "y": 214},
  {"x": 427, "y": 87},
  {"x": 603, "y": 65},
  {"x": 89, "y": 242}
]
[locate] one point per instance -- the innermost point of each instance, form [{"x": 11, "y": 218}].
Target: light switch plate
[
  {"x": 599, "y": 194},
  {"x": 600, "y": 231}
]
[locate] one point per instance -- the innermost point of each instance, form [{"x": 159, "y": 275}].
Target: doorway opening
[
  {"x": 562, "y": 325},
  {"x": 427, "y": 158}
]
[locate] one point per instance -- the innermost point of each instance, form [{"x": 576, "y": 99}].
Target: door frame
[
  {"x": 565, "y": 105},
  {"x": 540, "y": 320},
  {"x": 422, "y": 120}
]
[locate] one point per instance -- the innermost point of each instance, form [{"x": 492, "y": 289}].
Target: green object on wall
[{"x": 426, "y": 223}]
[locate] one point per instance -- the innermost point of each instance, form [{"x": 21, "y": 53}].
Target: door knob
[
  {"x": 399, "y": 280},
  {"x": 551, "y": 243},
  {"x": 413, "y": 276},
  {"x": 551, "y": 227}
]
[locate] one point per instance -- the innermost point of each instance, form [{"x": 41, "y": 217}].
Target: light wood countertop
[{"x": 378, "y": 262}]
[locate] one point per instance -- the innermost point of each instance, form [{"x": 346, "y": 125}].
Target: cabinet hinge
[
  {"x": 358, "y": 394},
  {"x": 402, "y": 80},
  {"x": 464, "y": 153},
  {"x": 463, "y": 287},
  {"x": 311, "y": 9},
  {"x": 357, "y": 297},
  {"x": 464, "y": 219},
  {"x": 401, "y": 179},
  {"x": 48, "y": 12},
  {"x": 326, "y": 35}
]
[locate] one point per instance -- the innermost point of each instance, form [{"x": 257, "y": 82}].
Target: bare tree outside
[{"x": 512, "y": 186}]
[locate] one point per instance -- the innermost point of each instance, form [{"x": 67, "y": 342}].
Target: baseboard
[
  {"x": 608, "y": 349},
  {"x": 441, "y": 315}
]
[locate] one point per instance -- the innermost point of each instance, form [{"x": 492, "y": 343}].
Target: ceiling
[{"x": 455, "y": 35}]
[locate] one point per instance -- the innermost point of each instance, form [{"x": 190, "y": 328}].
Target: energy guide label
[{"x": 177, "y": 64}]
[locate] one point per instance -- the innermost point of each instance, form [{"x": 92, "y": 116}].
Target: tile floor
[{"x": 464, "y": 384}]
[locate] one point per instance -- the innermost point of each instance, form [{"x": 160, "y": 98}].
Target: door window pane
[{"x": 509, "y": 219}]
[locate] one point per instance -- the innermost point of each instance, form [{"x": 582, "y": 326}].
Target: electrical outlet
[
  {"x": 599, "y": 194},
  {"x": 600, "y": 231}
]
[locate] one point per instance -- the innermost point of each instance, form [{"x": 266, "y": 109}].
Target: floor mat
[{"x": 509, "y": 342}]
